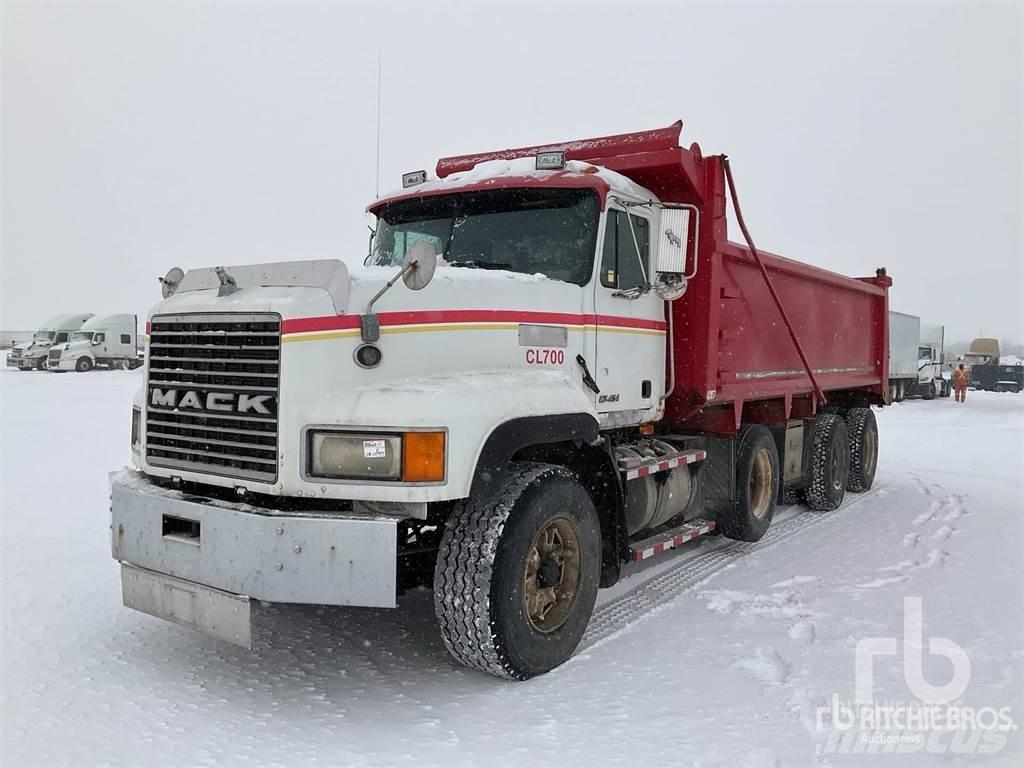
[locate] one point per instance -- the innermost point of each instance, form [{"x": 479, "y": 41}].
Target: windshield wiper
[{"x": 473, "y": 263}]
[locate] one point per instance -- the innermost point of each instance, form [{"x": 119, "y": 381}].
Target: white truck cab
[
  {"x": 110, "y": 341},
  {"x": 34, "y": 355},
  {"x": 316, "y": 387}
]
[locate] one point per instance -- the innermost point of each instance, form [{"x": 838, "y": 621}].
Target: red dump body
[{"x": 734, "y": 357}]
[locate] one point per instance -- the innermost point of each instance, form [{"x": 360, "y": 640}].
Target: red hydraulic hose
[{"x": 768, "y": 281}]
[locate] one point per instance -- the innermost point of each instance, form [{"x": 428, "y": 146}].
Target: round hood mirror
[
  {"x": 170, "y": 282},
  {"x": 419, "y": 264}
]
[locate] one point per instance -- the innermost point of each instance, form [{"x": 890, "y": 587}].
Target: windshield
[
  {"x": 81, "y": 336},
  {"x": 43, "y": 336},
  {"x": 547, "y": 231}
]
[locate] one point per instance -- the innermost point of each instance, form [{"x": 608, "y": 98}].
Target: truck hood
[
  {"x": 321, "y": 321},
  {"x": 329, "y": 299},
  {"x": 32, "y": 348},
  {"x": 455, "y": 356}
]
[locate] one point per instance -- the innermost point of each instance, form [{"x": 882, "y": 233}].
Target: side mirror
[
  {"x": 417, "y": 271},
  {"x": 676, "y": 259},
  {"x": 96, "y": 342},
  {"x": 673, "y": 237}
]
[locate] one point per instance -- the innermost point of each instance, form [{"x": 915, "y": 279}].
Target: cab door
[
  {"x": 630, "y": 322},
  {"x": 99, "y": 345}
]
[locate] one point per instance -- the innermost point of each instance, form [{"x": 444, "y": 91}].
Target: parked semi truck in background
[
  {"x": 583, "y": 371},
  {"x": 997, "y": 377},
  {"x": 982, "y": 351},
  {"x": 110, "y": 341},
  {"x": 34, "y": 355},
  {"x": 916, "y": 366}
]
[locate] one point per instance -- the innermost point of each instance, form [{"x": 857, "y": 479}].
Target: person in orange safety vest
[{"x": 960, "y": 379}]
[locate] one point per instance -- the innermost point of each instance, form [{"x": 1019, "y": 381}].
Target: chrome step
[
  {"x": 633, "y": 468},
  {"x": 670, "y": 539}
]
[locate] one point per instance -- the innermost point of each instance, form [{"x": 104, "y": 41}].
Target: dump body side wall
[{"x": 732, "y": 344}]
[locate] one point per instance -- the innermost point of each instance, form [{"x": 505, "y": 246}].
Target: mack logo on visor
[{"x": 199, "y": 400}]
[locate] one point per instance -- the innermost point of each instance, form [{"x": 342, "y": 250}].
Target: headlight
[
  {"x": 136, "y": 427},
  {"x": 410, "y": 457}
]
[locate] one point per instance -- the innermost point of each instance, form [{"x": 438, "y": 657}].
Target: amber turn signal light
[{"x": 423, "y": 457}]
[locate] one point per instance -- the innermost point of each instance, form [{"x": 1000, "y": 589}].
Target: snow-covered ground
[{"x": 718, "y": 655}]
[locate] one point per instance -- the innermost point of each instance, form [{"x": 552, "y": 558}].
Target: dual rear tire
[
  {"x": 757, "y": 486},
  {"x": 844, "y": 457}
]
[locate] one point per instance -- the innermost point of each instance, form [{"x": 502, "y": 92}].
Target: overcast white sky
[{"x": 137, "y": 137}]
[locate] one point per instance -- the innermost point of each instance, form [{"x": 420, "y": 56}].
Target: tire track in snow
[{"x": 630, "y": 607}]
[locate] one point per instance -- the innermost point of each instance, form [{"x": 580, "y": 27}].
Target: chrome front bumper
[{"x": 250, "y": 552}]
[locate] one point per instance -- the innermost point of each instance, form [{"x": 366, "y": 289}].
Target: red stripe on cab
[{"x": 443, "y": 316}]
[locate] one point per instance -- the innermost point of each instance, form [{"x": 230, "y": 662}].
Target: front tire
[
  {"x": 830, "y": 463},
  {"x": 517, "y": 574},
  {"x": 83, "y": 365},
  {"x": 41, "y": 364},
  {"x": 757, "y": 486}
]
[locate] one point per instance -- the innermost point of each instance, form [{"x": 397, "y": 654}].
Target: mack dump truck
[{"x": 580, "y": 371}]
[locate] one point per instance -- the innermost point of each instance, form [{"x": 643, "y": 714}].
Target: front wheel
[
  {"x": 517, "y": 574},
  {"x": 83, "y": 365},
  {"x": 41, "y": 364}
]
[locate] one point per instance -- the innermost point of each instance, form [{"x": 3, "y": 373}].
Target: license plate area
[{"x": 217, "y": 613}]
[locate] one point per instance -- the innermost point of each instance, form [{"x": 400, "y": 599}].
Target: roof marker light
[
  {"x": 550, "y": 161},
  {"x": 413, "y": 178}
]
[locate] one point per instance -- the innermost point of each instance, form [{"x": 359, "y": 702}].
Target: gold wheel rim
[
  {"x": 759, "y": 491},
  {"x": 551, "y": 576}
]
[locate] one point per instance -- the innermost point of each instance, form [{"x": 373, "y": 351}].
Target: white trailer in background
[
  {"x": 915, "y": 358},
  {"x": 110, "y": 341}
]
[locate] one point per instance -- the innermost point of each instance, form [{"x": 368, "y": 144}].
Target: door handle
[{"x": 587, "y": 378}]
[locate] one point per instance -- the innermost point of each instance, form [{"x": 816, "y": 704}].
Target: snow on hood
[{"x": 375, "y": 276}]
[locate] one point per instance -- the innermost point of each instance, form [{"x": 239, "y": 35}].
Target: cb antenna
[{"x": 378, "y": 119}]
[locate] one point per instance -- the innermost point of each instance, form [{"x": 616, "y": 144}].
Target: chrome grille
[
  {"x": 212, "y": 391},
  {"x": 54, "y": 355}
]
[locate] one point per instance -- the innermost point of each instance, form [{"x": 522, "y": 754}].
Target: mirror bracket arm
[{"x": 369, "y": 323}]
